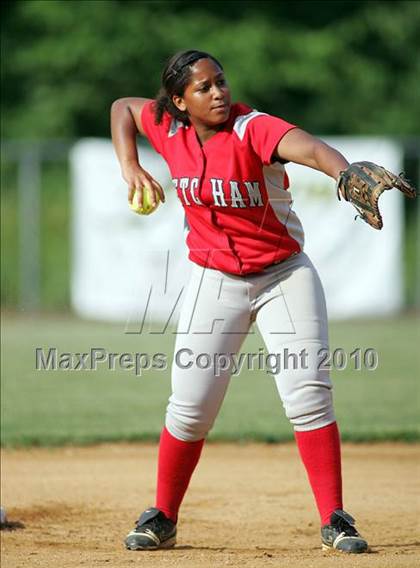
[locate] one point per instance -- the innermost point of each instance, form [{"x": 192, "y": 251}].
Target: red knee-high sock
[
  {"x": 320, "y": 452},
  {"x": 177, "y": 461}
]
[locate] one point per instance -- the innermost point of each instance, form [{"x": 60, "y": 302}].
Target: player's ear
[{"x": 179, "y": 103}]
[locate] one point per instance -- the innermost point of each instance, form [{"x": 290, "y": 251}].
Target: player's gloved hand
[
  {"x": 362, "y": 183},
  {"x": 137, "y": 178}
]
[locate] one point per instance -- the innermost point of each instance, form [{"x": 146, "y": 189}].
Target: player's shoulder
[
  {"x": 242, "y": 116},
  {"x": 239, "y": 110},
  {"x": 169, "y": 125}
]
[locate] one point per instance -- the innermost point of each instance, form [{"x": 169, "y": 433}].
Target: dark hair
[{"x": 175, "y": 78}]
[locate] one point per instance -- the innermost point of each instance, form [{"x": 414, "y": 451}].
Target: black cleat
[
  {"x": 153, "y": 530},
  {"x": 341, "y": 534}
]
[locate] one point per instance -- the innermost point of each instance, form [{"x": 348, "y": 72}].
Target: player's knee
[
  {"x": 187, "y": 422},
  {"x": 312, "y": 418},
  {"x": 310, "y": 406}
]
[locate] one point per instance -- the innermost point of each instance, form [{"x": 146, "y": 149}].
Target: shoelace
[
  {"x": 346, "y": 528},
  {"x": 155, "y": 525}
]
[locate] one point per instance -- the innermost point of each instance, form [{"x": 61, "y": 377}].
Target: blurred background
[{"x": 343, "y": 68}]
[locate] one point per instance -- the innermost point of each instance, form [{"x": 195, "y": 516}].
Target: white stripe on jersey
[
  {"x": 186, "y": 228},
  {"x": 281, "y": 201},
  {"x": 242, "y": 121},
  {"x": 175, "y": 126}
]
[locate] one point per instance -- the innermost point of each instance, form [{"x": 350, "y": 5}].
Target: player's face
[{"x": 207, "y": 96}]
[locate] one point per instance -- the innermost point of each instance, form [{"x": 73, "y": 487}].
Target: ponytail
[{"x": 165, "y": 104}]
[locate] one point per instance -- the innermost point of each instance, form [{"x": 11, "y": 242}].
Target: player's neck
[{"x": 205, "y": 132}]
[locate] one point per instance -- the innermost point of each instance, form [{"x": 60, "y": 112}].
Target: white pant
[{"x": 287, "y": 302}]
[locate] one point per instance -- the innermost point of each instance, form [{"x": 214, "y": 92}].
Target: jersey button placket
[
  {"x": 203, "y": 165},
  {"x": 202, "y": 172}
]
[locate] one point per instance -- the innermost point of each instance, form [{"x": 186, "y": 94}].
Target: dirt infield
[{"x": 248, "y": 506}]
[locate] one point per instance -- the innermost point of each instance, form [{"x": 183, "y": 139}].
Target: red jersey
[{"x": 237, "y": 208}]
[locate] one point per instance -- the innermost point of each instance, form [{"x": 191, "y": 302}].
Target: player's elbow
[{"x": 119, "y": 103}]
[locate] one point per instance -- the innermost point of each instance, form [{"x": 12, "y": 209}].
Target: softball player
[{"x": 246, "y": 247}]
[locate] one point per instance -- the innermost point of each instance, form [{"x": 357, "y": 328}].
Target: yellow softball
[{"x": 146, "y": 207}]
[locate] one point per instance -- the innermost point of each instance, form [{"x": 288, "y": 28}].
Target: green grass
[{"x": 81, "y": 407}]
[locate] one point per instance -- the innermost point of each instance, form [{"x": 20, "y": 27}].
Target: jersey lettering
[
  {"x": 183, "y": 184},
  {"x": 193, "y": 189},
  {"x": 223, "y": 195},
  {"x": 217, "y": 190},
  {"x": 235, "y": 195},
  {"x": 254, "y": 193}
]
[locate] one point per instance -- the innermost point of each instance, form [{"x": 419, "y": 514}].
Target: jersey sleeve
[
  {"x": 265, "y": 133},
  {"x": 154, "y": 132}
]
